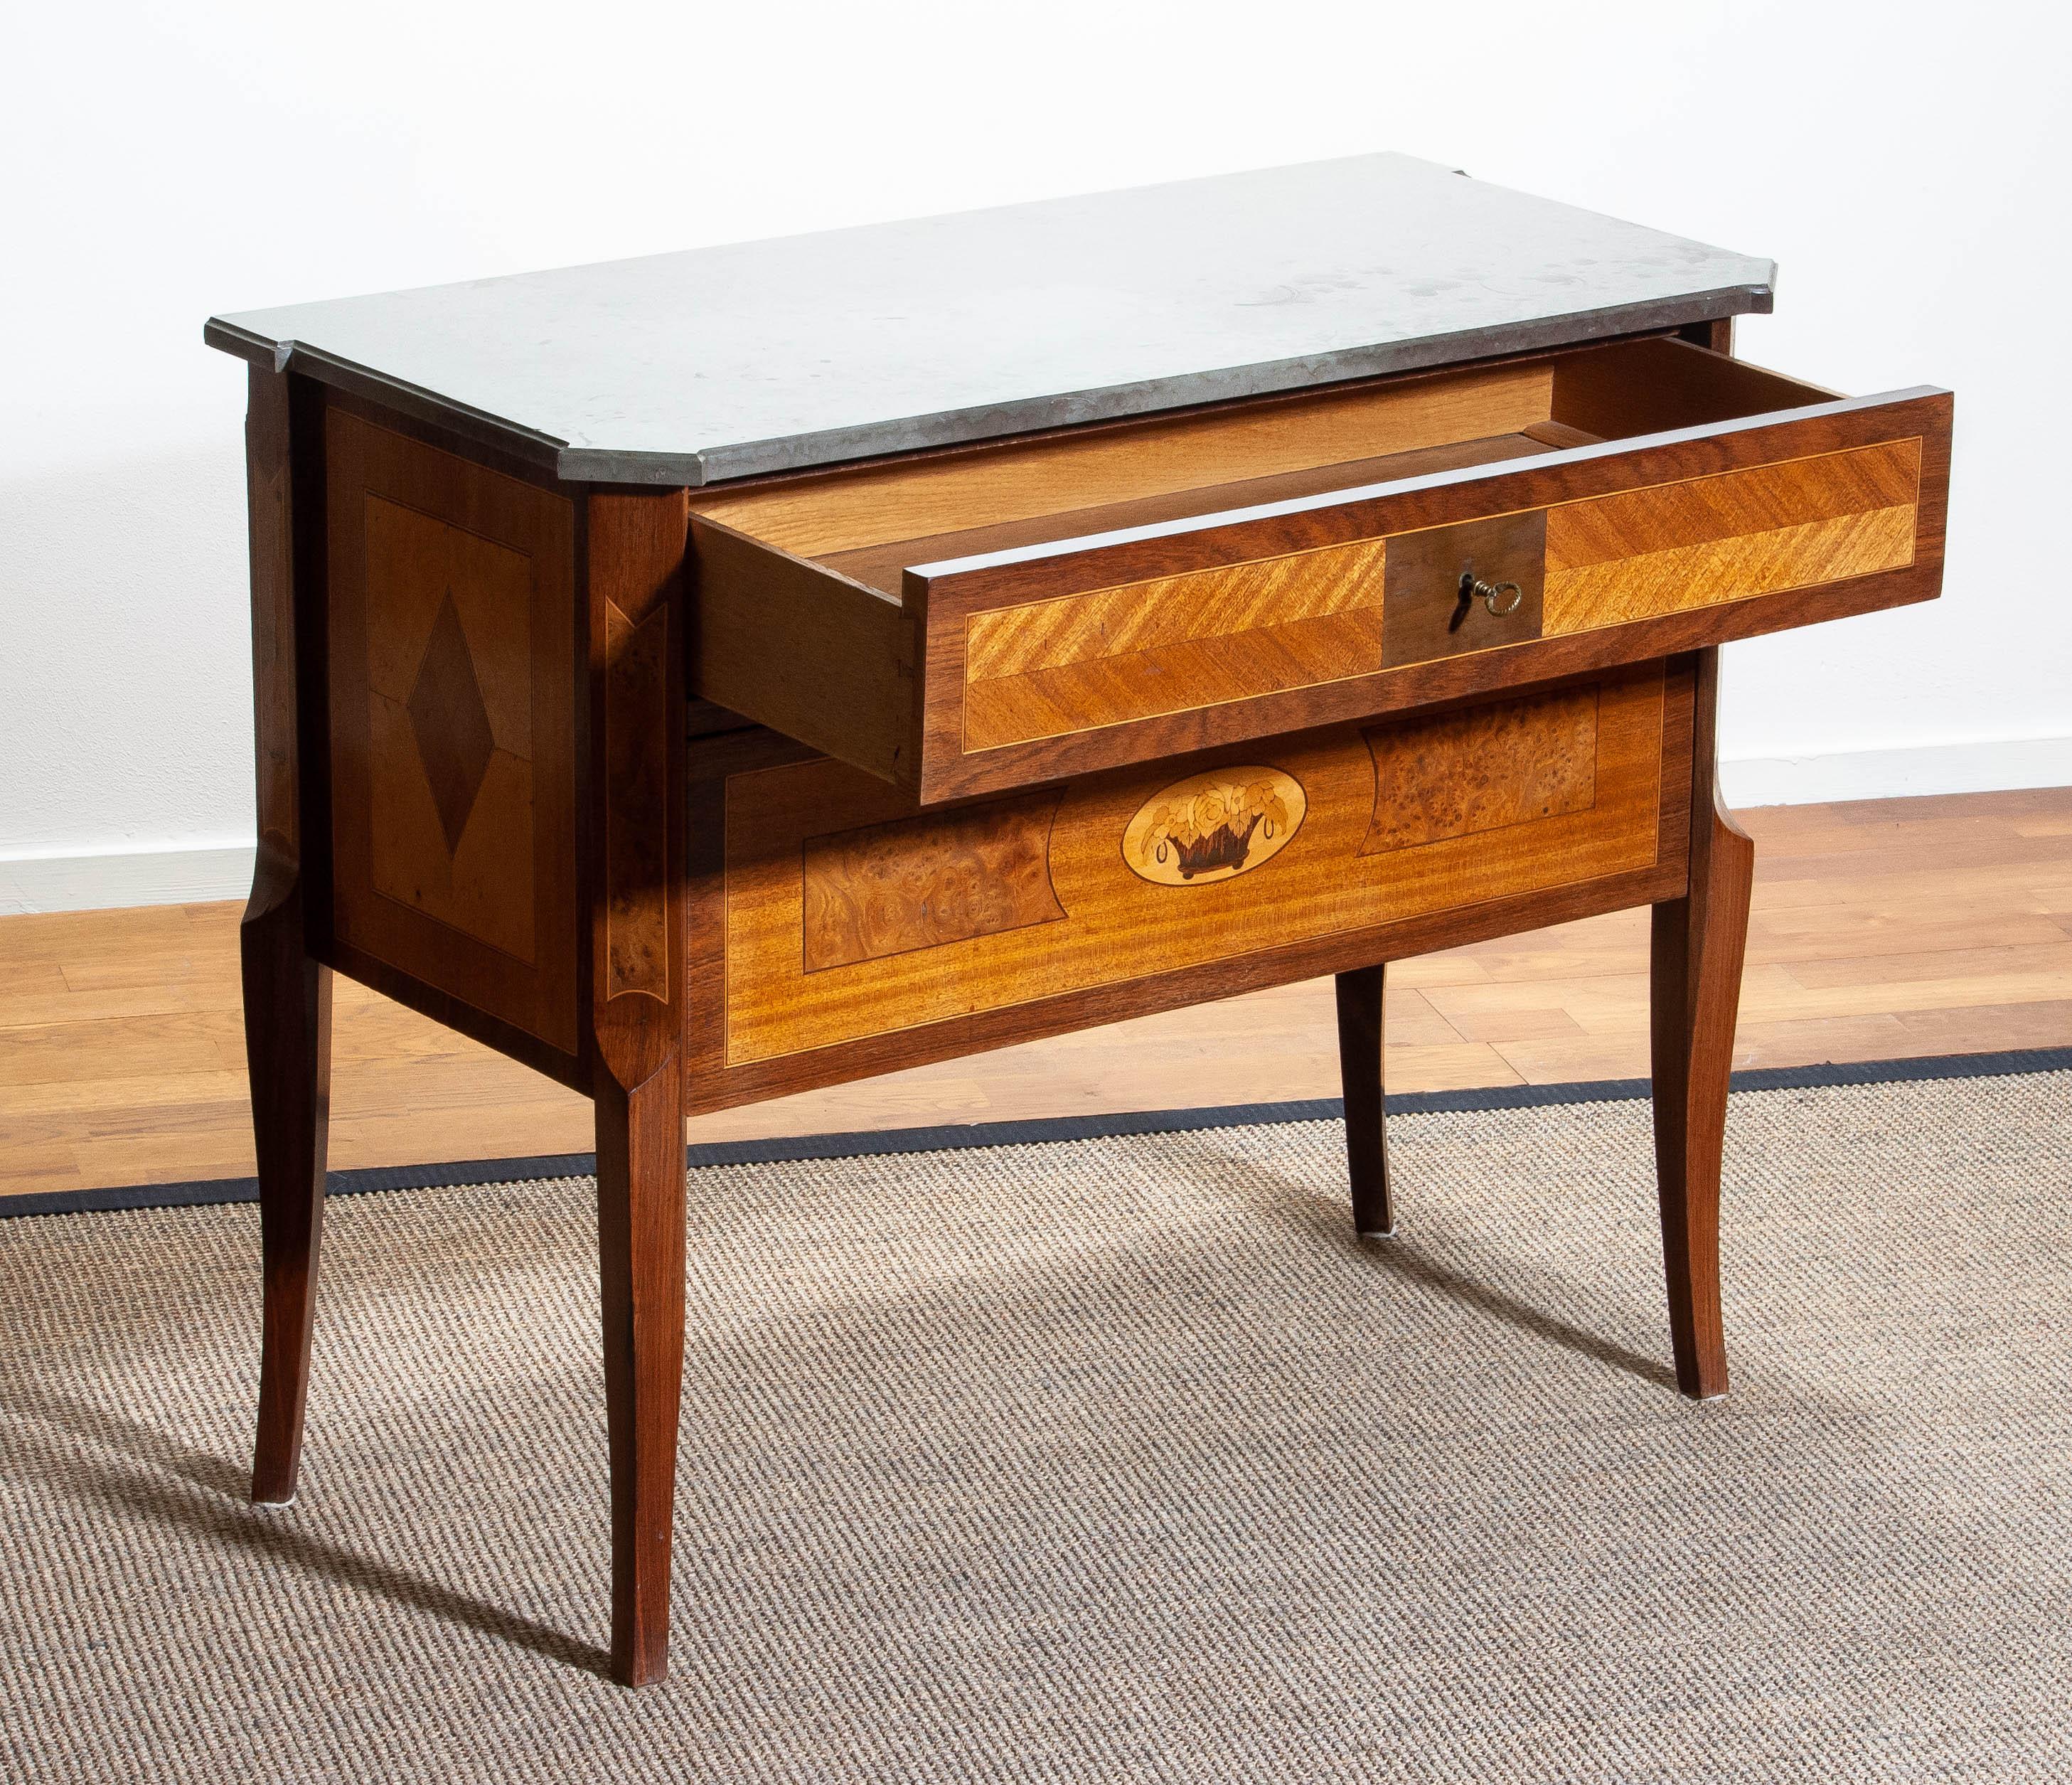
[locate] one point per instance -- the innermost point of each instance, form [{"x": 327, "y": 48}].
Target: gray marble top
[{"x": 728, "y": 362}]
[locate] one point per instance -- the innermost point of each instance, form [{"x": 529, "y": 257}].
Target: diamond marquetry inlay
[
  {"x": 451, "y": 657},
  {"x": 450, "y": 722}
]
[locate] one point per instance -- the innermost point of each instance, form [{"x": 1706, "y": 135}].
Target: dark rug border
[{"x": 947, "y": 1138}]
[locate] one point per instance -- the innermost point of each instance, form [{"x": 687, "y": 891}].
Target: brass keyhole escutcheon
[{"x": 1499, "y": 598}]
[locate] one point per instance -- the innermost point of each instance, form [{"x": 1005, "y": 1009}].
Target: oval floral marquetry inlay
[{"x": 1214, "y": 826}]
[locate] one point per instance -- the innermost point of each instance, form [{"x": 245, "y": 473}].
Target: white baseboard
[
  {"x": 1898, "y": 774},
  {"x": 169, "y": 876},
  {"x": 182, "y": 876}
]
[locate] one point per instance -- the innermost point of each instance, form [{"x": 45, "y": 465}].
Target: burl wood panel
[
  {"x": 920, "y": 883},
  {"x": 1709, "y": 541},
  {"x": 452, "y": 678},
  {"x": 1483, "y": 768},
  {"x": 1118, "y": 926},
  {"x": 1171, "y": 643}
]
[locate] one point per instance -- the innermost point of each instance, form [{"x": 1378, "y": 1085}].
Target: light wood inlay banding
[
  {"x": 1482, "y": 769},
  {"x": 973, "y": 622},
  {"x": 1235, "y": 633},
  {"x": 1140, "y": 616}
]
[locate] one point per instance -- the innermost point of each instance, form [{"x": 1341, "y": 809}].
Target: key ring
[{"x": 1472, "y": 587}]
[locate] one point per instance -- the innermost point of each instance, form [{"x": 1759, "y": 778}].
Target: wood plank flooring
[{"x": 1882, "y": 929}]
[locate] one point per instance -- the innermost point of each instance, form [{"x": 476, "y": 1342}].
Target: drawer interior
[{"x": 870, "y": 525}]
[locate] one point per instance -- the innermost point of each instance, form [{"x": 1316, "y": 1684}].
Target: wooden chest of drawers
[{"x": 710, "y": 677}]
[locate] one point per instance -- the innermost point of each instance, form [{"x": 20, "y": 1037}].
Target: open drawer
[{"x": 1003, "y": 616}]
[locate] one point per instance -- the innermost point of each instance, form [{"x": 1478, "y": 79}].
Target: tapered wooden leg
[
  {"x": 633, "y": 570},
  {"x": 1361, "y": 998},
  {"x": 287, "y": 1042},
  {"x": 1699, "y": 942},
  {"x": 640, "y": 1231}
]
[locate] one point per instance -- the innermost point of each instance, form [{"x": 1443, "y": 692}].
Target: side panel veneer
[{"x": 452, "y": 678}]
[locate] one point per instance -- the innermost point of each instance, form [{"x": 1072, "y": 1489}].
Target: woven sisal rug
[{"x": 1110, "y": 1459}]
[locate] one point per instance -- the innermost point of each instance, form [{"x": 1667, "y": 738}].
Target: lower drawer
[{"x": 836, "y": 931}]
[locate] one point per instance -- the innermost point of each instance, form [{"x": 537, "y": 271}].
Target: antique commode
[{"x": 710, "y": 677}]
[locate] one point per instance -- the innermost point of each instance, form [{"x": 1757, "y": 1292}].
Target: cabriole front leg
[
  {"x": 287, "y": 1044},
  {"x": 1699, "y": 942},
  {"x": 287, "y": 993}
]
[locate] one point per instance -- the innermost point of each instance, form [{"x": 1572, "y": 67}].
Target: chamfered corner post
[
  {"x": 287, "y": 991},
  {"x": 1699, "y": 942},
  {"x": 638, "y": 818},
  {"x": 1361, "y": 999}
]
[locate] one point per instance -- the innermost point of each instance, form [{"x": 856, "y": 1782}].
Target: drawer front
[
  {"x": 1110, "y": 650},
  {"x": 853, "y": 933},
  {"x": 1707, "y": 541}
]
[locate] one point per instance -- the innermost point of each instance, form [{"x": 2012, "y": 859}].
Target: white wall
[{"x": 1906, "y": 162}]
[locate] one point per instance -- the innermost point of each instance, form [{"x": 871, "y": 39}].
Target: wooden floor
[{"x": 1880, "y": 930}]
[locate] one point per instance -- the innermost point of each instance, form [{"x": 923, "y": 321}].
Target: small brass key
[{"x": 1474, "y": 588}]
